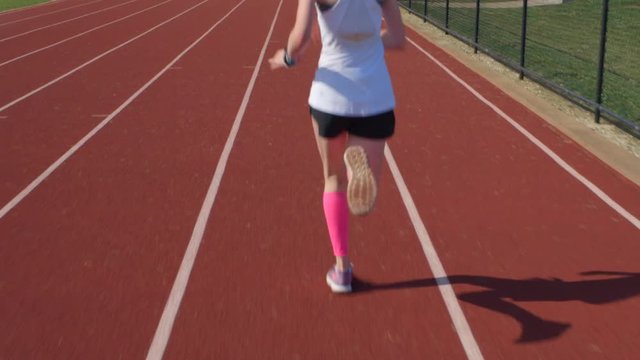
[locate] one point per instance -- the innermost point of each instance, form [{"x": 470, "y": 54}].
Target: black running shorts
[{"x": 379, "y": 126}]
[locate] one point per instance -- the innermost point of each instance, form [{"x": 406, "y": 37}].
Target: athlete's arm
[
  {"x": 393, "y": 34},
  {"x": 299, "y": 36}
]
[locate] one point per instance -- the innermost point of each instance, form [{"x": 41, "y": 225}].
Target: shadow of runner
[{"x": 501, "y": 295}]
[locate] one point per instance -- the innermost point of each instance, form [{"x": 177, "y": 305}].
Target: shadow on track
[{"x": 501, "y": 295}]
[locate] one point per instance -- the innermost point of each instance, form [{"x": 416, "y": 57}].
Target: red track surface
[{"x": 89, "y": 256}]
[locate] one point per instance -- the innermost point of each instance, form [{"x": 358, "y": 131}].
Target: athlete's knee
[{"x": 335, "y": 182}]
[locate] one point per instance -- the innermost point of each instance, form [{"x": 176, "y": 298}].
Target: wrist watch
[{"x": 288, "y": 60}]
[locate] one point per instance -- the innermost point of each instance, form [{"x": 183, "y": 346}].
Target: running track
[{"x": 160, "y": 194}]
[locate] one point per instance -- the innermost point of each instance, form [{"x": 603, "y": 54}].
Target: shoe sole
[
  {"x": 362, "y": 190},
  {"x": 336, "y": 288}
]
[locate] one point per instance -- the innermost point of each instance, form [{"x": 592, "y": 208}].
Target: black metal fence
[{"x": 585, "y": 50}]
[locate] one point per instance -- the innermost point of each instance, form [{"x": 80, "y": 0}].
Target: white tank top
[{"x": 352, "y": 77}]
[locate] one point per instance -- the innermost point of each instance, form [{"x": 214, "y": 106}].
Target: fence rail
[{"x": 585, "y": 50}]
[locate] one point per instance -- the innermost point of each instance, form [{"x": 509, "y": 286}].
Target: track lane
[
  {"x": 40, "y": 129},
  {"x": 27, "y": 75},
  {"x": 66, "y": 28},
  {"x": 18, "y": 53},
  {"x": 257, "y": 289},
  {"x": 501, "y": 213},
  {"x": 595, "y": 170},
  {"x": 101, "y": 273}
]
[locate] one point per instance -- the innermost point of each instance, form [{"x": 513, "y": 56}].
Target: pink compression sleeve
[{"x": 336, "y": 213}]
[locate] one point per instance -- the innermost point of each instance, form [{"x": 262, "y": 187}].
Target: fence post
[
  {"x": 425, "y": 12},
  {"x": 603, "y": 43},
  {"x": 410, "y": 7},
  {"x": 477, "y": 30},
  {"x": 523, "y": 38},
  {"x": 446, "y": 17}
]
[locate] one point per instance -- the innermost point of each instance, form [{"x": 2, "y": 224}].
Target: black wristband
[{"x": 288, "y": 60}]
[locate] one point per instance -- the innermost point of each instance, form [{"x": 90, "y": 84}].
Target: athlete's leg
[
  {"x": 334, "y": 198},
  {"x": 331, "y": 153}
]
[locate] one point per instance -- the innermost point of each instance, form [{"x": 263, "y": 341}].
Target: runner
[{"x": 351, "y": 104}]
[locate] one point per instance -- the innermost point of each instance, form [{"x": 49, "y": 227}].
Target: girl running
[{"x": 351, "y": 104}]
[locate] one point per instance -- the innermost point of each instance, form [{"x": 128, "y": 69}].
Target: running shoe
[
  {"x": 361, "y": 190},
  {"x": 339, "y": 281}
]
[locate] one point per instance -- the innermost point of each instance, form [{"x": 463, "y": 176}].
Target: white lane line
[
  {"x": 96, "y": 59},
  {"x": 563, "y": 164},
  {"x": 66, "y": 21},
  {"x": 163, "y": 332},
  {"x": 81, "y": 34},
  {"x": 49, "y": 13},
  {"x": 11, "y": 204},
  {"x": 460, "y": 323}
]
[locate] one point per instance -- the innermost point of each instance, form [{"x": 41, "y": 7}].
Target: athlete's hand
[{"x": 277, "y": 61}]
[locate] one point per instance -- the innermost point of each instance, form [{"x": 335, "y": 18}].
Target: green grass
[
  {"x": 14, "y": 4},
  {"x": 563, "y": 43}
]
